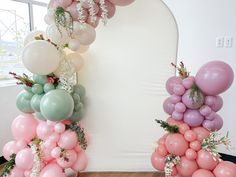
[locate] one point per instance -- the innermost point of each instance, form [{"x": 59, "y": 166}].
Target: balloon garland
[
  {"x": 190, "y": 146},
  {"x": 48, "y": 135}
]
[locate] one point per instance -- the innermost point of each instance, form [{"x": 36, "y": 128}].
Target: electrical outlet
[
  {"x": 228, "y": 41},
  {"x": 220, "y": 42}
]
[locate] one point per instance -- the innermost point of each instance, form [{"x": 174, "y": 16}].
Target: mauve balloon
[
  {"x": 193, "y": 118},
  {"x": 214, "y": 77}
]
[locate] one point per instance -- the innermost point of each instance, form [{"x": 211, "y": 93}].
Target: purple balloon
[
  {"x": 192, "y": 103},
  {"x": 217, "y": 104},
  {"x": 193, "y": 118},
  {"x": 211, "y": 116},
  {"x": 168, "y": 106},
  {"x": 214, "y": 77},
  {"x": 175, "y": 99},
  {"x": 170, "y": 83},
  {"x": 180, "y": 107},
  {"x": 218, "y": 122},
  {"x": 177, "y": 115},
  {"x": 205, "y": 110},
  {"x": 178, "y": 89},
  {"x": 209, "y": 100},
  {"x": 208, "y": 124},
  {"x": 188, "y": 82}
]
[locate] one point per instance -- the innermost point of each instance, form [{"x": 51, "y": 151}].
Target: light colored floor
[{"x": 113, "y": 174}]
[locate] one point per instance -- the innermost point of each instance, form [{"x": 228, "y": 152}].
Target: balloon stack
[
  {"x": 189, "y": 149},
  {"x": 48, "y": 136}
]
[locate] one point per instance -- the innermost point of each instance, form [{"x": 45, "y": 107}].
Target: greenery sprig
[
  {"x": 182, "y": 70},
  {"x": 196, "y": 94},
  {"x": 22, "y": 80},
  {"x": 211, "y": 142},
  {"x": 8, "y": 166},
  {"x": 80, "y": 134},
  {"x": 168, "y": 127}
]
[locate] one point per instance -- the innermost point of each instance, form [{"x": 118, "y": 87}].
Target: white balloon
[
  {"x": 87, "y": 36},
  {"x": 74, "y": 44},
  {"x": 83, "y": 49},
  {"x": 48, "y": 19},
  {"x": 41, "y": 57},
  {"x": 31, "y": 36},
  {"x": 58, "y": 37},
  {"x": 77, "y": 28},
  {"x": 76, "y": 60}
]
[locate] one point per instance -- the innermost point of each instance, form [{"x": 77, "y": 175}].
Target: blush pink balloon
[
  {"x": 24, "y": 127},
  {"x": 111, "y": 9},
  {"x": 217, "y": 104},
  {"x": 188, "y": 82},
  {"x": 168, "y": 106},
  {"x": 64, "y": 3},
  {"x": 203, "y": 173},
  {"x": 9, "y": 149},
  {"x": 161, "y": 149},
  {"x": 205, "y": 160},
  {"x": 44, "y": 130},
  {"x": 178, "y": 89},
  {"x": 191, "y": 154},
  {"x": 189, "y": 101},
  {"x": 68, "y": 160},
  {"x": 68, "y": 140},
  {"x": 214, "y": 77},
  {"x": 21, "y": 144},
  {"x": 52, "y": 169},
  {"x": 211, "y": 116},
  {"x": 195, "y": 145},
  {"x": 190, "y": 135},
  {"x": 54, "y": 137},
  {"x": 186, "y": 167},
  {"x": 121, "y": 2},
  {"x": 205, "y": 110},
  {"x": 202, "y": 133},
  {"x": 24, "y": 159},
  {"x": 183, "y": 128},
  {"x": 171, "y": 82},
  {"x": 72, "y": 9},
  {"x": 176, "y": 144},
  {"x": 56, "y": 152},
  {"x": 218, "y": 123},
  {"x": 93, "y": 24},
  {"x": 16, "y": 172},
  {"x": 193, "y": 118},
  {"x": 225, "y": 169},
  {"x": 59, "y": 128},
  {"x": 158, "y": 162},
  {"x": 172, "y": 121},
  {"x": 81, "y": 162},
  {"x": 46, "y": 153}
]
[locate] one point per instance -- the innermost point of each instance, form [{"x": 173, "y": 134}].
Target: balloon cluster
[
  {"x": 45, "y": 148},
  {"x": 189, "y": 147}
]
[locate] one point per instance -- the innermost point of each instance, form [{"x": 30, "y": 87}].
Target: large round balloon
[
  {"x": 121, "y": 2},
  {"x": 205, "y": 160},
  {"x": 87, "y": 35},
  {"x": 41, "y": 57},
  {"x": 225, "y": 169},
  {"x": 214, "y": 77},
  {"x": 31, "y": 36},
  {"x": 203, "y": 173},
  {"x": 52, "y": 169},
  {"x": 57, "y": 105}
]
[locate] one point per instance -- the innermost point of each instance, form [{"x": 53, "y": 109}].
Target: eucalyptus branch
[{"x": 168, "y": 127}]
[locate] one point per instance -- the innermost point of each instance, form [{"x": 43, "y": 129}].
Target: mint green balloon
[
  {"x": 39, "y": 116},
  {"x": 59, "y": 86},
  {"x": 76, "y": 97},
  {"x": 35, "y": 102},
  {"x": 37, "y": 89},
  {"x": 48, "y": 87},
  {"x": 78, "y": 106},
  {"x": 57, "y": 105},
  {"x": 23, "y": 101},
  {"x": 79, "y": 89},
  {"x": 27, "y": 88},
  {"x": 40, "y": 79},
  {"x": 76, "y": 117}
]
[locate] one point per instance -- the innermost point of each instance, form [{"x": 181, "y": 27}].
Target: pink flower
[{"x": 51, "y": 80}]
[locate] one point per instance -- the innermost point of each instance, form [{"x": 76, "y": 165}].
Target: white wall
[{"x": 199, "y": 23}]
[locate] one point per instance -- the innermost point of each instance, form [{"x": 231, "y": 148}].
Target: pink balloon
[
  {"x": 9, "y": 149},
  {"x": 56, "y": 152},
  {"x": 81, "y": 162},
  {"x": 47, "y": 153},
  {"x": 68, "y": 140},
  {"x": 183, "y": 128},
  {"x": 25, "y": 159},
  {"x": 186, "y": 167},
  {"x": 168, "y": 106},
  {"x": 180, "y": 107},
  {"x": 72, "y": 9},
  {"x": 178, "y": 89},
  {"x": 68, "y": 160},
  {"x": 190, "y": 135},
  {"x": 78, "y": 148},
  {"x": 172, "y": 121},
  {"x": 21, "y": 144},
  {"x": 158, "y": 162},
  {"x": 214, "y": 77},
  {"x": 93, "y": 24},
  {"x": 161, "y": 149},
  {"x": 193, "y": 118},
  {"x": 211, "y": 116},
  {"x": 44, "y": 130},
  {"x": 203, "y": 173},
  {"x": 111, "y": 9},
  {"x": 217, "y": 104},
  {"x": 191, "y": 154},
  {"x": 24, "y": 127},
  {"x": 176, "y": 144},
  {"x": 202, "y": 133},
  {"x": 52, "y": 169},
  {"x": 59, "y": 128},
  {"x": 190, "y": 102},
  {"x": 175, "y": 99},
  {"x": 188, "y": 82},
  {"x": 177, "y": 115},
  {"x": 205, "y": 110},
  {"x": 225, "y": 169},
  {"x": 205, "y": 160},
  {"x": 49, "y": 144},
  {"x": 195, "y": 145},
  {"x": 121, "y": 2},
  {"x": 54, "y": 137},
  {"x": 27, "y": 173},
  {"x": 218, "y": 123},
  {"x": 64, "y": 3},
  {"x": 16, "y": 172},
  {"x": 171, "y": 82},
  {"x": 208, "y": 124}
]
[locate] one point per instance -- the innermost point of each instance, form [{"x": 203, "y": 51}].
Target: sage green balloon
[
  {"x": 39, "y": 116},
  {"x": 57, "y": 105},
  {"x": 78, "y": 106},
  {"x": 76, "y": 97},
  {"x": 23, "y": 101},
  {"x": 27, "y": 88},
  {"x": 35, "y": 102},
  {"x": 76, "y": 117},
  {"x": 40, "y": 79},
  {"x": 79, "y": 89},
  {"x": 48, "y": 87},
  {"x": 37, "y": 89}
]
